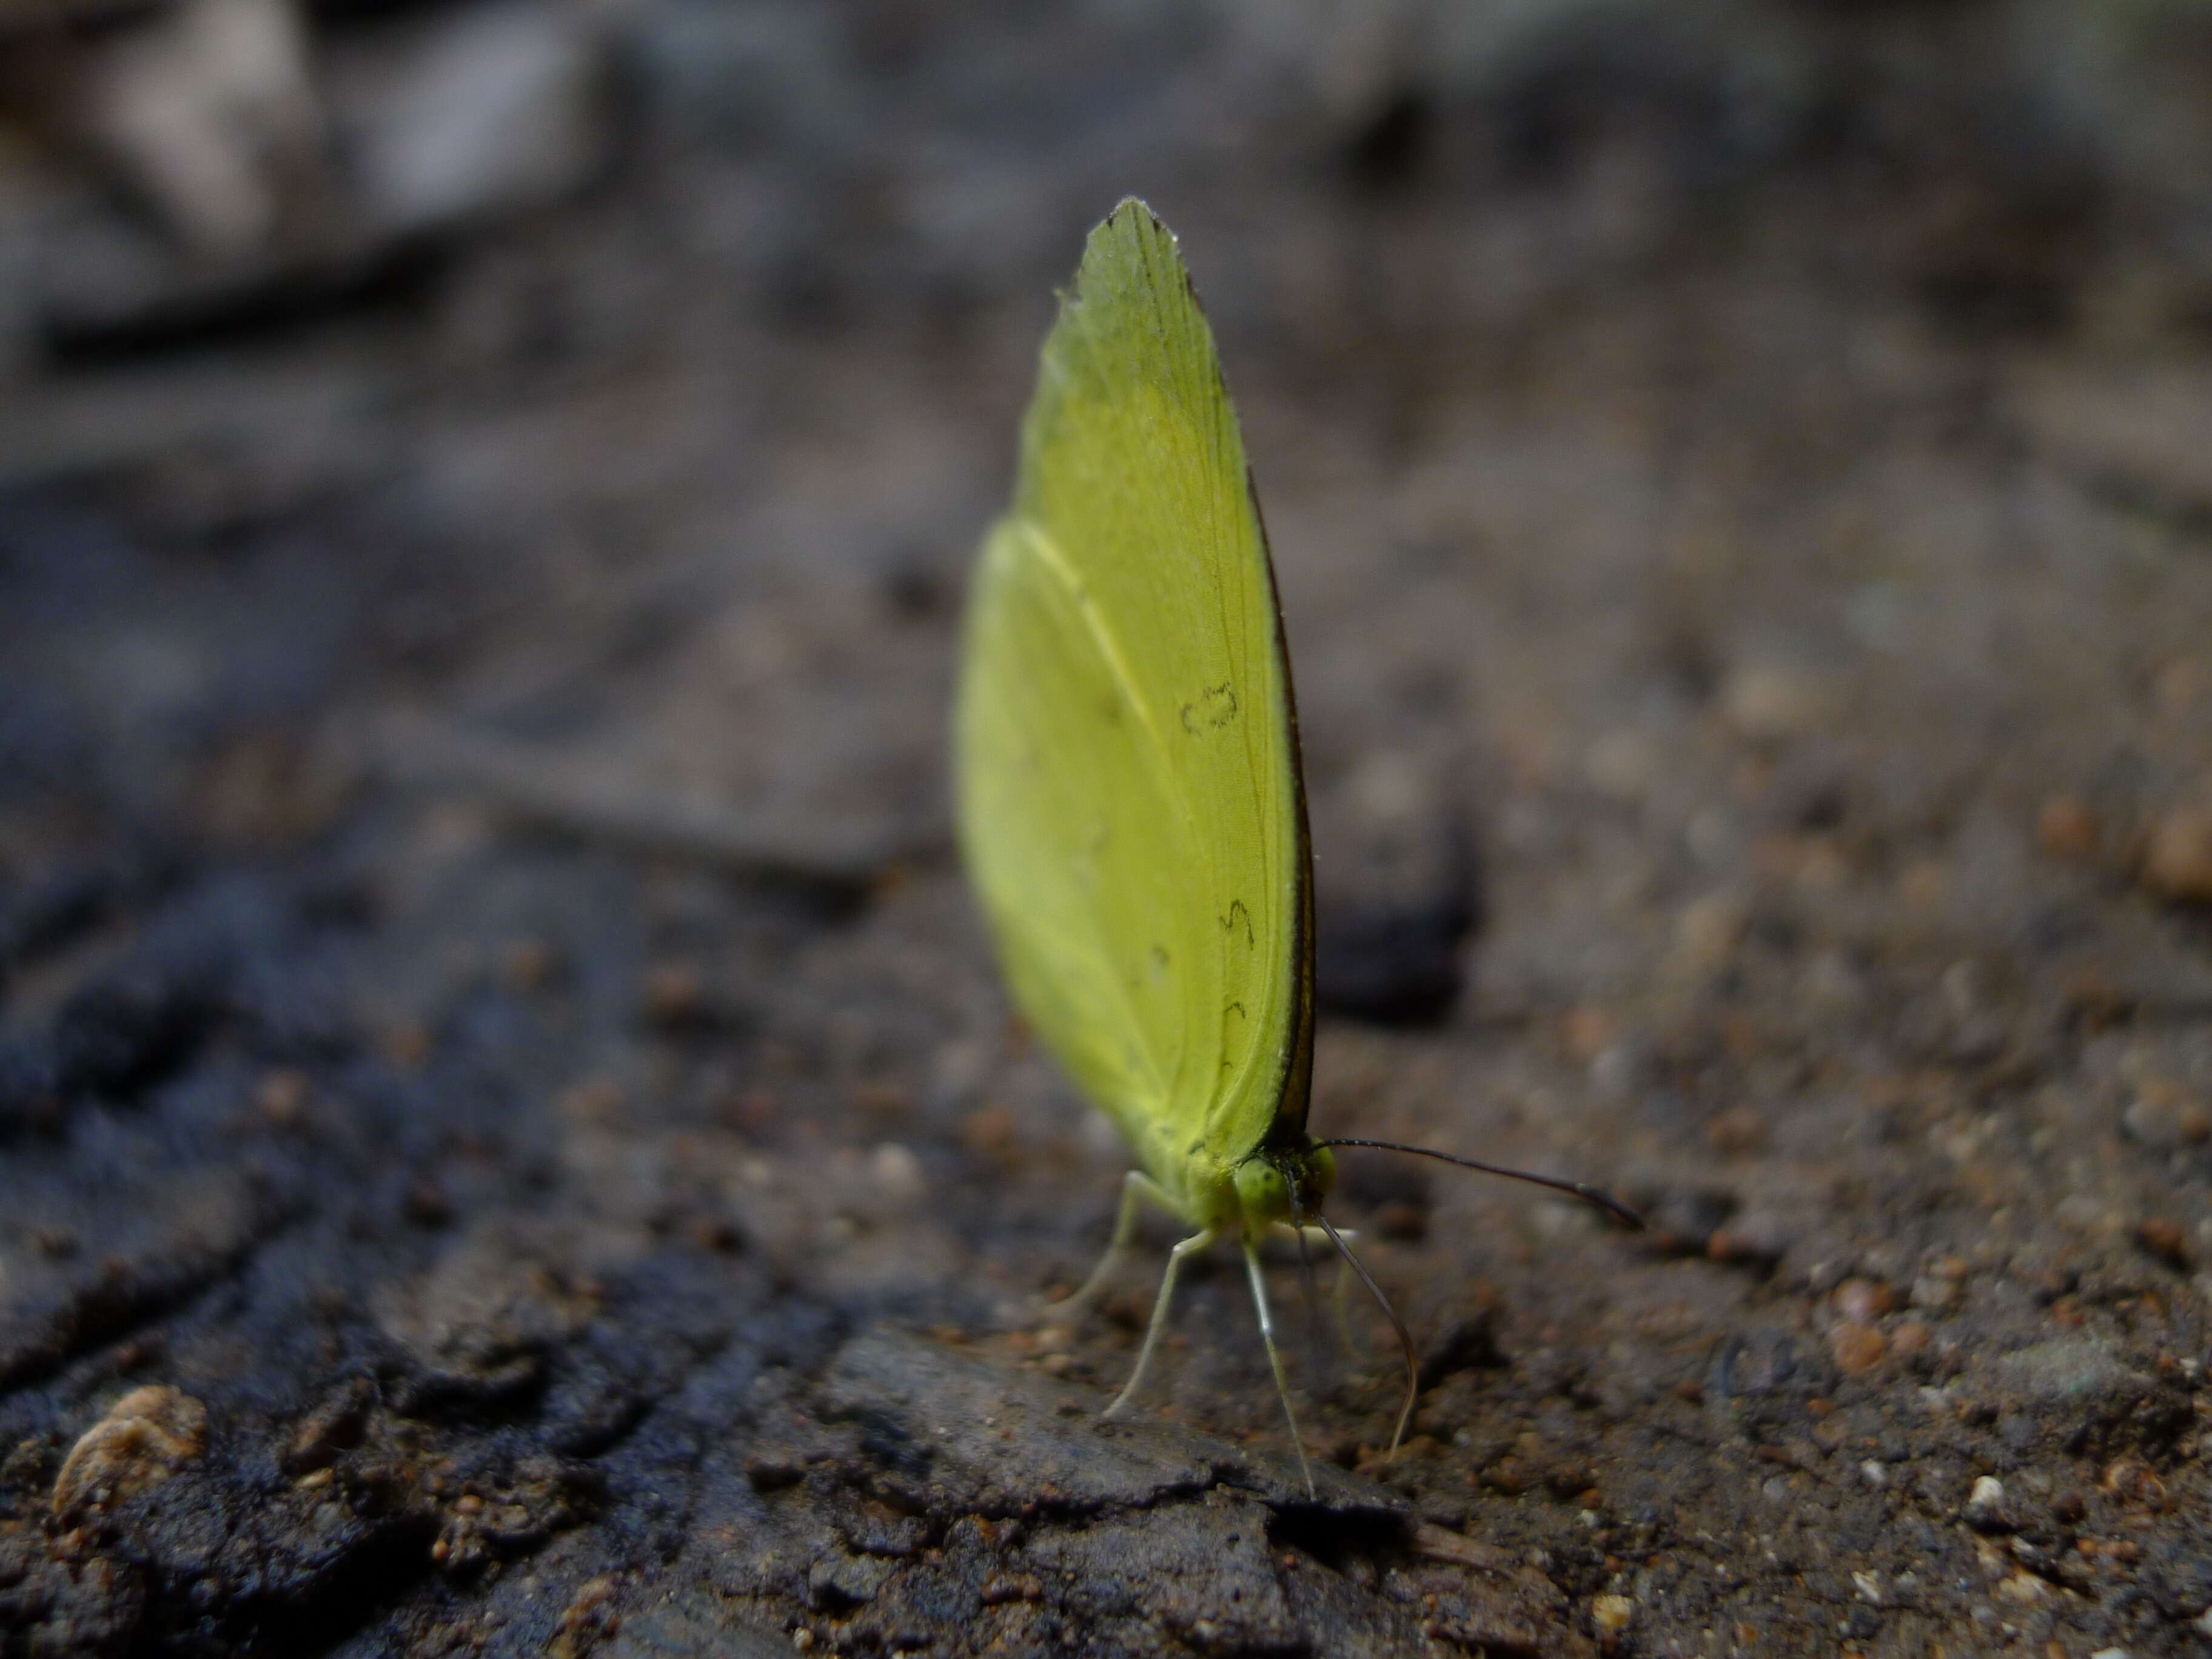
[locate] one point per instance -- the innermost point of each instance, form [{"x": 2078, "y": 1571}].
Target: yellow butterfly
[{"x": 1130, "y": 800}]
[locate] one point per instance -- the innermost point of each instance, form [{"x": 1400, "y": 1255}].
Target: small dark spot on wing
[
  {"x": 1238, "y": 916},
  {"x": 1211, "y": 709}
]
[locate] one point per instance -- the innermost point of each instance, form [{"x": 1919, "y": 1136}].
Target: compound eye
[{"x": 1262, "y": 1192}]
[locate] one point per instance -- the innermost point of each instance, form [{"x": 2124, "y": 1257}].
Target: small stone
[
  {"x": 1874, "y": 1473},
  {"x": 2115, "y": 1653},
  {"x": 1934, "y": 1294},
  {"x": 673, "y": 995},
  {"x": 146, "y": 1436},
  {"x": 897, "y": 1172},
  {"x": 1868, "y": 1585},
  {"x": 1755, "y": 1236},
  {"x": 2178, "y": 860},
  {"x": 2068, "y": 1373},
  {"x": 1910, "y": 1338},
  {"x": 2134, "y": 1481},
  {"x": 2153, "y": 1117},
  {"x": 282, "y": 1097},
  {"x": 2166, "y": 1239},
  {"x": 1857, "y": 1348},
  {"x": 1774, "y": 699},
  {"x": 333, "y": 1427},
  {"x": 1864, "y": 1299},
  {"x": 499, "y": 110},
  {"x": 1610, "y": 1614},
  {"x": 1985, "y": 1505},
  {"x": 992, "y": 1132},
  {"x": 1618, "y": 1070},
  {"x": 716, "y": 1233},
  {"x": 1709, "y": 929},
  {"x": 2067, "y": 828}
]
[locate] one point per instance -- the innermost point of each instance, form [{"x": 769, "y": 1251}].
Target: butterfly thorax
[{"x": 1274, "y": 1186}]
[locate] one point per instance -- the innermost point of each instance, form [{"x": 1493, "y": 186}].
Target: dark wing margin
[{"x": 1286, "y": 1130}]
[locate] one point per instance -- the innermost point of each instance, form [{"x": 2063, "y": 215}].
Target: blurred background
[
  {"x": 637, "y": 312},
  {"x": 485, "y": 496}
]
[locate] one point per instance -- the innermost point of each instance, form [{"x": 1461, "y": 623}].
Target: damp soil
[{"x": 511, "y": 1141}]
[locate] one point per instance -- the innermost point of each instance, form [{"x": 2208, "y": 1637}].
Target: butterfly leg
[
  {"x": 1259, "y": 1281},
  {"x": 1137, "y": 1187},
  {"x": 1189, "y": 1247}
]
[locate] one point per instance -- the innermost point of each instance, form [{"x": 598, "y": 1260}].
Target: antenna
[{"x": 1588, "y": 1195}]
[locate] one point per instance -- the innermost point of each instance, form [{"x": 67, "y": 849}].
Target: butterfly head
[{"x": 1284, "y": 1184}]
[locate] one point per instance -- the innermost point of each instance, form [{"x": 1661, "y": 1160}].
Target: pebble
[
  {"x": 499, "y": 109},
  {"x": 2165, "y": 1119},
  {"x": 1709, "y": 929},
  {"x": 1933, "y": 1295},
  {"x": 282, "y": 1097},
  {"x": 1910, "y": 1338},
  {"x": 2166, "y": 1239},
  {"x": 1857, "y": 1348},
  {"x": 2066, "y": 829},
  {"x": 673, "y": 994},
  {"x": 1985, "y": 1505},
  {"x": 2067, "y": 1372},
  {"x": 1609, "y": 1614},
  {"x": 1863, "y": 1299},
  {"x": 897, "y": 1172},
  {"x": 1772, "y": 699},
  {"x": 147, "y": 1437},
  {"x": 2141, "y": 426},
  {"x": 1874, "y": 1473},
  {"x": 2178, "y": 860}
]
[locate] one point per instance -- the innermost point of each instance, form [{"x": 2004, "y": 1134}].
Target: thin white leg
[
  {"x": 1136, "y": 1187},
  {"x": 1161, "y": 1302},
  {"x": 1258, "y": 1280}
]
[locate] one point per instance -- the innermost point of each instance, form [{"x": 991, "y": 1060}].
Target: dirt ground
[{"x": 511, "y": 1141}]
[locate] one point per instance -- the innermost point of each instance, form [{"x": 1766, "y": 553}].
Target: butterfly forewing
[{"x": 1126, "y": 764}]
